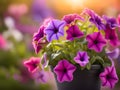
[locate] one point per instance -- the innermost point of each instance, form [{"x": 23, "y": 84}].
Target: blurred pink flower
[
  {"x": 2, "y": 42},
  {"x": 32, "y": 64},
  {"x": 18, "y": 10}
]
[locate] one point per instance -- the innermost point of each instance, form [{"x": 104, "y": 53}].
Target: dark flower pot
[{"x": 83, "y": 80}]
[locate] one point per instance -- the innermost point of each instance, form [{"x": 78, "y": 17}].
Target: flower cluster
[{"x": 77, "y": 40}]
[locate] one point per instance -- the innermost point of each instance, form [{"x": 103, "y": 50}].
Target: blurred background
[{"x": 19, "y": 19}]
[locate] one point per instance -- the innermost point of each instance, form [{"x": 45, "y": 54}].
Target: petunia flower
[
  {"x": 74, "y": 32},
  {"x": 40, "y": 76},
  {"x": 95, "y": 19},
  {"x": 71, "y": 17},
  {"x": 109, "y": 77},
  {"x": 111, "y": 22},
  {"x": 81, "y": 58},
  {"x": 39, "y": 34},
  {"x": 32, "y": 64},
  {"x": 54, "y": 30},
  {"x": 96, "y": 41},
  {"x": 112, "y": 36},
  {"x": 38, "y": 39},
  {"x": 114, "y": 54},
  {"x": 64, "y": 71}
]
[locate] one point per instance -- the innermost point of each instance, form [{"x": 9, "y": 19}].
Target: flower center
[
  {"x": 108, "y": 77},
  {"x": 65, "y": 70},
  {"x": 55, "y": 30},
  {"x": 95, "y": 42},
  {"x": 34, "y": 65},
  {"x": 81, "y": 59}
]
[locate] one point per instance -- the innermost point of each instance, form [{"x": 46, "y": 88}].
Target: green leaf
[{"x": 88, "y": 66}]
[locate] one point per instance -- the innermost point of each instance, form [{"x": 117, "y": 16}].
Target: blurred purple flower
[
  {"x": 114, "y": 53},
  {"x": 40, "y": 10},
  {"x": 44, "y": 60},
  {"x": 82, "y": 58},
  {"x": 111, "y": 22},
  {"x": 54, "y": 30},
  {"x": 112, "y": 36},
  {"x": 71, "y": 17},
  {"x": 74, "y": 32},
  {"x": 96, "y": 41},
  {"x": 95, "y": 19},
  {"x": 40, "y": 76},
  {"x": 109, "y": 77},
  {"x": 64, "y": 71},
  {"x": 32, "y": 64}
]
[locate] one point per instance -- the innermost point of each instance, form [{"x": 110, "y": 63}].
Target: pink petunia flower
[
  {"x": 64, "y": 71},
  {"x": 109, "y": 77},
  {"x": 32, "y": 64},
  {"x": 82, "y": 58},
  {"x": 96, "y": 41}
]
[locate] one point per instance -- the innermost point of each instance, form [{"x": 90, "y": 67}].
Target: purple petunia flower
[
  {"x": 110, "y": 22},
  {"x": 64, "y": 71},
  {"x": 74, "y": 32},
  {"x": 95, "y": 19},
  {"x": 109, "y": 77},
  {"x": 114, "y": 54},
  {"x": 40, "y": 76},
  {"x": 82, "y": 58},
  {"x": 71, "y": 17},
  {"x": 2, "y": 42},
  {"x": 32, "y": 64},
  {"x": 112, "y": 36},
  {"x": 54, "y": 30},
  {"x": 96, "y": 41}
]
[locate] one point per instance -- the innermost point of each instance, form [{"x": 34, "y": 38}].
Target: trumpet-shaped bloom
[
  {"x": 40, "y": 76},
  {"x": 82, "y": 58},
  {"x": 109, "y": 77},
  {"x": 32, "y": 64},
  {"x": 95, "y": 19},
  {"x": 112, "y": 36},
  {"x": 71, "y": 17},
  {"x": 96, "y": 41},
  {"x": 54, "y": 30},
  {"x": 38, "y": 39},
  {"x": 74, "y": 32},
  {"x": 114, "y": 54},
  {"x": 111, "y": 22},
  {"x": 64, "y": 71}
]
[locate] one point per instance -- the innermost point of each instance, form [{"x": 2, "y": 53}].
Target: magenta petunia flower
[
  {"x": 82, "y": 58},
  {"x": 32, "y": 64},
  {"x": 95, "y": 19},
  {"x": 96, "y": 41},
  {"x": 74, "y": 32},
  {"x": 39, "y": 34},
  {"x": 71, "y": 17},
  {"x": 38, "y": 39},
  {"x": 109, "y": 77},
  {"x": 54, "y": 30},
  {"x": 112, "y": 36},
  {"x": 64, "y": 71}
]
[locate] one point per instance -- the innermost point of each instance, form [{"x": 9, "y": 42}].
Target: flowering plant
[{"x": 76, "y": 40}]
